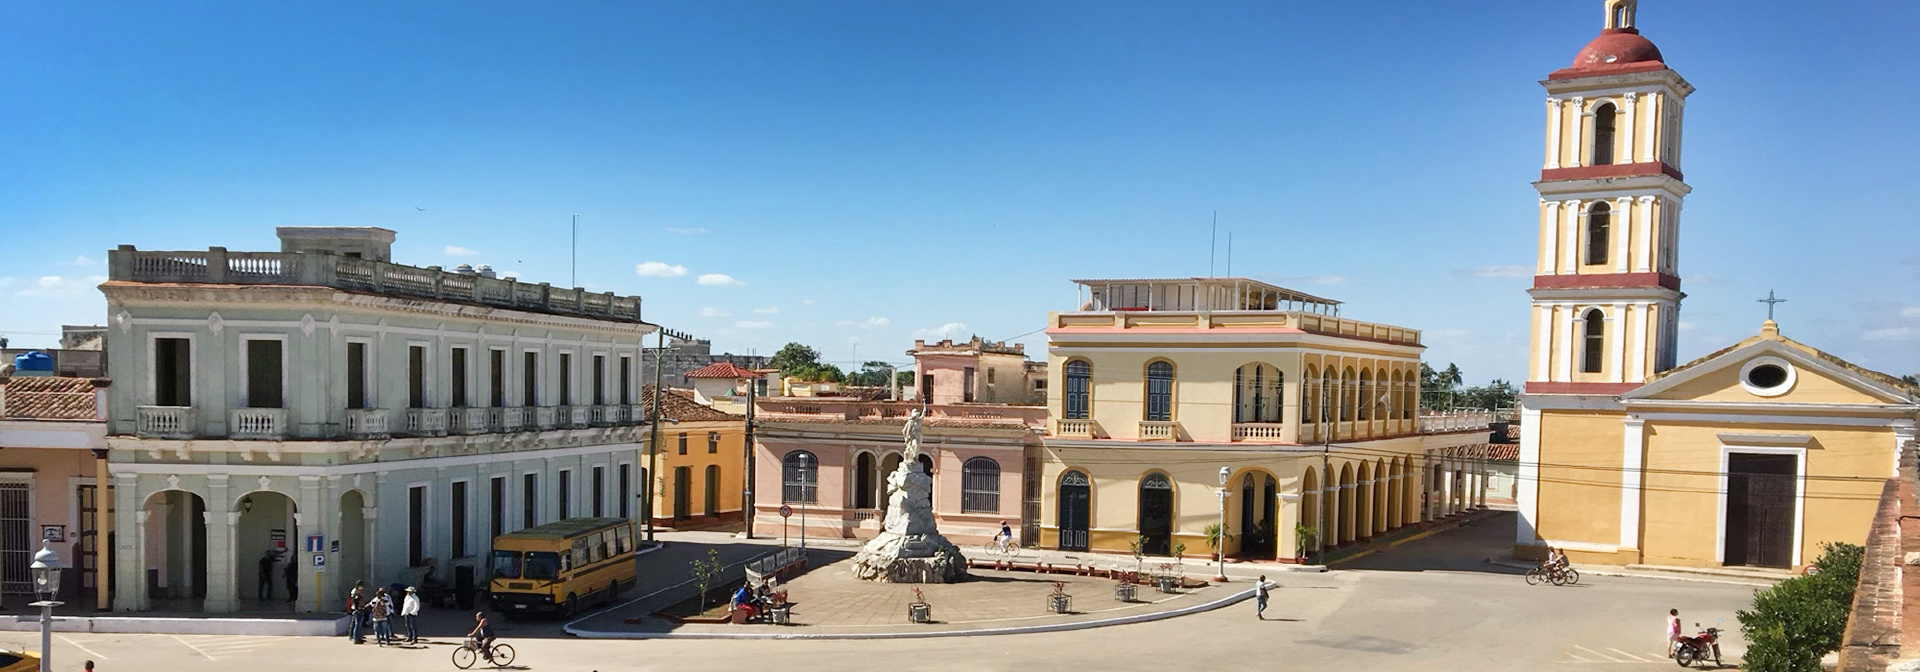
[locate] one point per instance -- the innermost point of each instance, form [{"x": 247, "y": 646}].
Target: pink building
[
  {"x": 54, "y": 484},
  {"x": 976, "y": 371},
  {"x": 828, "y": 459}
]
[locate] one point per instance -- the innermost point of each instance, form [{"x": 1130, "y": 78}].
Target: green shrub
[{"x": 1803, "y": 618}]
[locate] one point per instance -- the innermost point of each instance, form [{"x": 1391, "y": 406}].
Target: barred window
[
  {"x": 800, "y": 478},
  {"x": 980, "y": 486}
]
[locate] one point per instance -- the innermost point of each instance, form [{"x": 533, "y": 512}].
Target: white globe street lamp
[{"x": 46, "y": 581}]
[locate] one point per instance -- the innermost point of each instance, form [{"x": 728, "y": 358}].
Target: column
[
  {"x": 1563, "y": 346},
  {"x": 1647, "y": 143},
  {"x": 1550, "y": 254},
  {"x": 102, "y": 531},
  {"x": 1526, "y": 487},
  {"x": 1446, "y": 489},
  {"x": 220, "y": 519},
  {"x": 1618, "y": 357},
  {"x": 1553, "y": 132},
  {"x": 1639, "y": 328},
  {"x": 1288, "y": 540},
  {"x": 1622, "y": 228},
  {"x": 130, "y": 546},
  {"x": 1569, "y": 240},
  {"x": 311, "y": 518},
  {"x": 1630, "y": 472},
  {"x": 1543, "y": 346},
  {"x": 1578, "y": 117},
  {"x": 1626, "y": 130},
  {"x": 1643, "y": 234}
]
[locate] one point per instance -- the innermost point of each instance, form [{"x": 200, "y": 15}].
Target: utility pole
[
  {"x": 1326, "y": 465},
  {"x": 748, "y": 512},
  {"x": 653, "y": 438}
]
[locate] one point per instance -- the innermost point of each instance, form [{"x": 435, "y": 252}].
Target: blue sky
[{"x": 866, "y": 172}]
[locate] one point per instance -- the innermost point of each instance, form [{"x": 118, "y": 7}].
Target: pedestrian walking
[
  {"x": 292, "y": 575},
  {"x": 266, "y": 576},
  {"x": 410, "y": 610},
  {"x": 1260, "y": 591},
  {"x": 1673, "y": 629},
  {"x": 380, "y": 611},
  {"x": 357, "y": 612}
]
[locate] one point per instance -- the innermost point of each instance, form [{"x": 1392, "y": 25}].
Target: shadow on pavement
[{"x": 1467, "y": 548}]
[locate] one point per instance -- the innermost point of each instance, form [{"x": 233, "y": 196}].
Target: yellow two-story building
[{"x": 1182, "y": 402}]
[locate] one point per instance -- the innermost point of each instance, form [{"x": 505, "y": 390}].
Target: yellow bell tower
[{"x": 1606, "y": 293}]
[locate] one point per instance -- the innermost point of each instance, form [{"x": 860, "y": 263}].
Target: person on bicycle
[
  {"x": 1555, "y": 559},
  {"x": 482, "y": 636},
  {"x": 1005, "y": 536}
]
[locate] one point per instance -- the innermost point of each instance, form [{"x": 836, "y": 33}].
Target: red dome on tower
[{"x": 1616, "y": 50}]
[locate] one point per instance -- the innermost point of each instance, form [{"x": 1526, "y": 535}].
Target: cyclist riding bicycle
[
  {"x": 1555, "y": 559},
  {"x": 1004, "y": 537},
  {"x": 481, "y": 639}
]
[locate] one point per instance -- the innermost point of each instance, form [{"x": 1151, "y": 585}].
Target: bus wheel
[{"x": 573, "y": 602}]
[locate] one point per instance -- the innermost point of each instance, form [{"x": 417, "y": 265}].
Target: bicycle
[
  {"x": 464, "y": 657},
  {"x": 1554, "y": 574},
  {"x": 994, "y": 548}
]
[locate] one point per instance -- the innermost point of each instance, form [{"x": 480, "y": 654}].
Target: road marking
[
  {"x": 77, "y": 645},
  {"x": 191, "y": 646},
  {"x": 1603, "y": 656},
  {"x": 1629, "y": 655}
]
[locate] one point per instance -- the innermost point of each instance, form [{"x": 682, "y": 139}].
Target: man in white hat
[{"x": 410, "y": 608}]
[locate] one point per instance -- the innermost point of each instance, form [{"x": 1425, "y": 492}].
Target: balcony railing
[
  {"x": 1454, "y": 421},
  {"x": 367, "y": 423},
  {"x": 1074, "y": 428},
  {"x": 1159, "y": 430},
  {"x": 543, "y": 417},
  {"x": 218, "y": 266},
  {"x": 257, "y": 423},
  {"x": 427, "y": 421},
  {"x": 472, "y": 420},
  {"x": 576, "y": 416},
  {"x": 507, "y": 419},
  {"x": 1257, "y": 431},
  {"x": 167, "y": 422}
]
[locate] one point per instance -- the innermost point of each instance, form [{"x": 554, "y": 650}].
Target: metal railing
[{"x": 216, "y": 265}]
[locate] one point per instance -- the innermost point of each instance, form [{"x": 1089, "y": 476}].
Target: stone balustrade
[
  {"x": 167, "y": 422},
  {"x": 216, "y": 265},
  {"x": 367, "y": 423},
  {"x": 1257, "y": 431},
  {"x": 1159, "y": 430},
  {"x": 257, "y": 423}
]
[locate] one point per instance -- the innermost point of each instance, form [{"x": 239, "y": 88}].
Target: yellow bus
[{"x": 561, "y": 566}]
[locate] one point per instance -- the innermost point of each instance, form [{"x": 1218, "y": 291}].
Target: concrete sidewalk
[{"x": 1735, "y": 576}]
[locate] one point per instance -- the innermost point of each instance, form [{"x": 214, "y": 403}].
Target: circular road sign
[{"x": 786, "y": 511}]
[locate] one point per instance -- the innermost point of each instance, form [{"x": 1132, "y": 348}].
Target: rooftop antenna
[
  {"x": 1229, "y": 253},
  {"x": 1213, "y": 242}
]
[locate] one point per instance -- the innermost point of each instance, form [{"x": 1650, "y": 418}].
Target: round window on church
[{"x": 1767, "y": 376}]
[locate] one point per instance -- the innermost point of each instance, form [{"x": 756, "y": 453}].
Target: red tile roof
[
  {"x": 680, "y": 406},
  {"x": 722, "y": 370},
  {"x": 48, "y": 398}
]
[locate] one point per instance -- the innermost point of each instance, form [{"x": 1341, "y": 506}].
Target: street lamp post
[
  {"x": 1220, "y": 540},
  {"x": 46, "y": 581}
]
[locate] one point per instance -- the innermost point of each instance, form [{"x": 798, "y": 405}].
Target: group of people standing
[
  {"x": 288, "y": 573},
  {"x": 376, "y": 611}
]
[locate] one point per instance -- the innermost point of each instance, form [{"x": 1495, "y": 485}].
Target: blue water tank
[{"x": 35, "y": 362}]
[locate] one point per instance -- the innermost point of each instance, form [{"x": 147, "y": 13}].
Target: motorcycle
[{"x": 1696, "y": 648}]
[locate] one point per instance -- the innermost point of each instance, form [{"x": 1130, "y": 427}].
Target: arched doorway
[
  {"x": 888, "y": 465},
  {"x": 352, "y": 558},
  {"x": 1156, "y": 514},
  {"x": 263, "y": 535},
  {"x": 1382, "y": 485},
  {"x": 1257, "y": 533},
  {"x": 176, "y": 552},
  {"x": 1345, "y": 520},
  {"x": 863, "y": 480},
  {"x": 1395, "y": 505},
  {"x": 1076, "y": 499}
]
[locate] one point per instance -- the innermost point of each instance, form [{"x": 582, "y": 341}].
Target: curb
[
  {"x": 984, "y": 632},
  {"x": 1639, "y": 575}
]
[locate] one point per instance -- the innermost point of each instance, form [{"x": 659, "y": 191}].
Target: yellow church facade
[
  {"x": 1752, "y": 456},
  {"x": 1171, "y": 392}
]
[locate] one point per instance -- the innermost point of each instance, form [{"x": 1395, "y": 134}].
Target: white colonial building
[{"x": 404, "y": 416}]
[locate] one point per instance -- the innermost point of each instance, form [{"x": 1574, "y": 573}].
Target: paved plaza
[{"x": 1435, "y": 603}]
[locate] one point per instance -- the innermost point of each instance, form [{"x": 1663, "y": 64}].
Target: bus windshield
[
  {"x": 543, "y": 566},
  {"x": 506, "y": 564}
]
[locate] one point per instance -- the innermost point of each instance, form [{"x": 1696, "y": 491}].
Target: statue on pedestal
[{"x": 909, "y": 548}]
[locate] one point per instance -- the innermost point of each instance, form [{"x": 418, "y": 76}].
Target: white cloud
[
  {"x": 710, "y": 311},
  {"x": 81, "y": 260},
  {"x": 752, "y": 324},
  {"x": 948, "y": 330},
  {"x": 61, "y": 287},
  {"x": 1892, "y": 334},
  {"x": 1496, "y": 272},
  {"x": 1910, "y": 312},
  {"x": 718, "y": 280},
  {"x": 872, "y": 322},
  {"x": 687, "y": 230},
  {"x": 769, "y": 310},
  {"x": 806, "y": 302},
  {"x": 458, "y": 251},
  {"x": 659, "y": 269},
  {"x": 1686, "y": 326},
  {"x": 1444, "y": 333},
  {"x": 6, "y": 282}
]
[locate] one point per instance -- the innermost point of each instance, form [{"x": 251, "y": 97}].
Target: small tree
[
  {"x": 704, "y": 571},
  {"x": 1217, "y": 537},
  {"x": 1803, "y": 618},
  {"x": 1138, "y": 547},
  {"x": 1304, "y": 537}
]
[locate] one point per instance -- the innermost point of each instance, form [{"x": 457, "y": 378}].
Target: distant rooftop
[
  {"x": 1197, "y": 294},
  {"x": 356, "y": 259},
  {"x": 974, "y": 345}
]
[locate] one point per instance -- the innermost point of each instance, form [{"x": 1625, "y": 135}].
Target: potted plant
[
  {"x": 704, "y": 571},
  {"x": 1165, "y": 579},
  {"x": 1217, "y": 537},
  {"x": 1123, "y": 589},
  {"x": 918, "y": 610},
  {"x": 1060, "y": 602},
  {"x": 1304, "y": 537}
]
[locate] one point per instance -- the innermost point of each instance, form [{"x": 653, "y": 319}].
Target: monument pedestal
[{"x": 909, "y": 548}]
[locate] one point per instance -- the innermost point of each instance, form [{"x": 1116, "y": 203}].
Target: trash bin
[
  {"x": 1123, "y": 592},
  {"x": 782, "y": 615},
  {"x": 1060, "y": 603},
  {"x": 463, "y": 587},
  {"x": 920, "y": 612}
]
